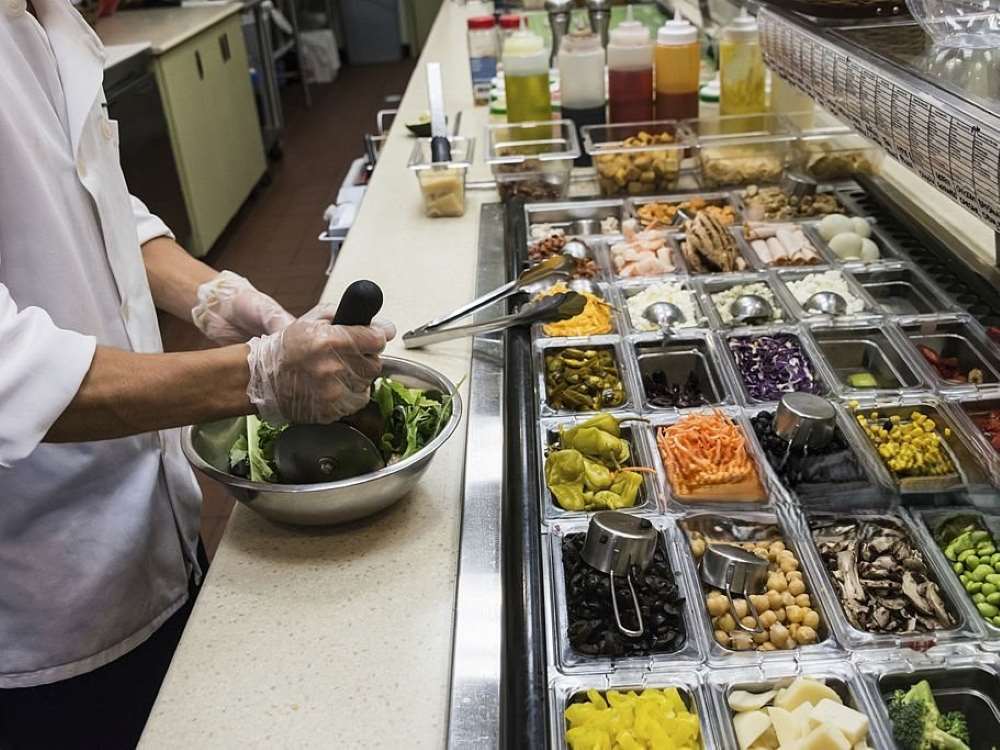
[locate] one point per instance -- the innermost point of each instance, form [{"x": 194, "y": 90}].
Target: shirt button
[{"x": 16, "y": 7}]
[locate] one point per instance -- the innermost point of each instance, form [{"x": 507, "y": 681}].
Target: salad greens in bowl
[{"x": 420, "y": 410}]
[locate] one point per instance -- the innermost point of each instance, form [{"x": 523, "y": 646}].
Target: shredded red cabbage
[{"x": 773, "y": 365}]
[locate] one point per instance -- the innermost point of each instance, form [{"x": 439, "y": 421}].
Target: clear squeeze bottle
[
  {"x": 678, "y": 64},
  {"x": 630, "y": 72},
  {"x": 526, "y": 77},
  {"x": 741, "y": 68},
  {"x": 581, "y": 80}
]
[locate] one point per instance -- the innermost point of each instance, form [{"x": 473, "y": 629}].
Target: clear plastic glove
[
  {"x": 314, "y": 372},
  {"x": 230, "y": 310}
]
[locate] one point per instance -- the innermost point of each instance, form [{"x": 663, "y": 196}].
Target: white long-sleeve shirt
[{"x": 96, "y": 539}]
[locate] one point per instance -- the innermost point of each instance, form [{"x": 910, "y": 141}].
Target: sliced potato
[{"x": 743, "y": 700}]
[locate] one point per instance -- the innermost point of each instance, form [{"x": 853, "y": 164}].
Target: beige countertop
[
  {"x": 162, "y": 28},
  {"x": 341, "y": 638},
  {"x": 116, "y": 53}
]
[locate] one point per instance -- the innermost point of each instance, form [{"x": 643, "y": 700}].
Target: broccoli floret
[
  {"x": 954, "y": 723},
  {"x": 915, "y": 718}
]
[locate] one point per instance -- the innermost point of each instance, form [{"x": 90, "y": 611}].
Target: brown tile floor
[{"x": 272, "y": 241}]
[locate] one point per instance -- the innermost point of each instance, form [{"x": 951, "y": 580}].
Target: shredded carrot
[
  {"x": 593, "y": 321},
  {"x": 704, "y": 449}
]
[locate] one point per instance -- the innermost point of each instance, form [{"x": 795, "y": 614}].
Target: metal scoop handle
[
  {"x": 635, "y": 604},
  {"x": 732, "y": 605}
]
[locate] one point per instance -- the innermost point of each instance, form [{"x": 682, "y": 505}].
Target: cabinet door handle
[
  {"x": 224, "y": 47},
  {"x": 197, "y": 62}
]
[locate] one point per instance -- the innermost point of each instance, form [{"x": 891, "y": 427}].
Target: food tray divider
[
  {"x": 719, "y": 283},
  {"x": 988, "y": 455},
  {"x": 870, "y": 312},
  {"x": 939, "y": 296},
  {"x": 721, "y": 657},
  {"x": 541, "y": 348},
  {"x": 969, "y": 329},
  {"x": 615, "y": 207},
  {"x": 567, "y": 662},
  {"x": 606, "y": 292},
  {"x": 638, "y": 437},
  {"x": 853, "y": 638},
  {"x": 889, "y": 251},
  {"x": 770, "y": 676},
  {"x": 677, "y": 237},
  {"x": 633, "y": 203},
  {"x": 827, "y": 258},
  {"x": 625, "y": 289},
  {"x": 691, "y": 683}
]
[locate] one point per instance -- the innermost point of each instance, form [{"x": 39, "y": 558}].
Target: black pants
[{"x": 101, "y": 710}]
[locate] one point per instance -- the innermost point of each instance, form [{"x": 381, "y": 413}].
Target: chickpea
[
  {"x": 761, "y": 553},
  {"x": 796, "y": 586},
  {"x": 806, "y": 635},
  {"x": 788, "y": 564},
  {"x": 781, "y": 614},
  {"x": 767, "y": 618},
  {"x": 740, "y": 608},
  {"x": 777, "y": 546},
  {"x": 767, "y": 646},
  {"x": 716, "y": 604},
  {"x": 793, "y": 629},
  {"x": 811, "y": 619},
  {"x": 741, "y": 641},
  {"x": 748, "y": 622},
  {"x": 760, "y": 602},
  {"x": 787, "y": 599},
  {"x": 726, "y": 622},
  {"x": 722, "y": 638},
  {"x": 778, "y": 582},
  {"x": 795, "y": 575},
  {"x": 795, "y": 613},
  {"x": 774, "y": 598},
  {"x": 779, "y": 634},
  {"x": 697, "y": 547},
  {"x": 803, "y": 600}
]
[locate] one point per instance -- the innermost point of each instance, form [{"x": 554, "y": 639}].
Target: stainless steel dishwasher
[{"x": 146, "y": 154}]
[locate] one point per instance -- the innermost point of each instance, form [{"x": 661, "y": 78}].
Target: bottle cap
[
  {"x": 742, "y": 28},
  {"x": 580, "y": 39},
  {"x": 510, "y": 21},
  {"x": 629, "y": 33},
  {"x": 677, "y": 32},
  {"x": 523, "y": 43},
  {"x": 481, "y": 22},
  {"x": 710, "y": 91}
]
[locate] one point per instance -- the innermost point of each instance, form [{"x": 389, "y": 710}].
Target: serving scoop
[{"x": 316, "y": 453}]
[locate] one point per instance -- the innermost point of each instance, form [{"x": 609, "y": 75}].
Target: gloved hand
[
  {"x": 314, "y": 372},
  {"x": 230, "y": 310}
]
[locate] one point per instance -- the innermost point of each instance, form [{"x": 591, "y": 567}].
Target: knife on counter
[{"x": 440, "y": 145}]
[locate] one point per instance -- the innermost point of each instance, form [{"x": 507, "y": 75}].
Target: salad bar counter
[{"x": 680, "y": 568}]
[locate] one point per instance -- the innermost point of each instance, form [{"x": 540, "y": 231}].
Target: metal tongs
[{"x": 546, "y": 310}]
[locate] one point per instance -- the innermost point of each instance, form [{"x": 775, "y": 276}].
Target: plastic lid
[
  {"x": 580, "y": 39},
  {"x": 676, "y": 32},
  {"x": 629, "y": 33},
  {"x": 510, "y": 21},
  {"x": 523, "y": 43},
  {"x": 710, "y": 91},
  {"x": 742, "y": 28},
  {"x": 481, "y": 22}
]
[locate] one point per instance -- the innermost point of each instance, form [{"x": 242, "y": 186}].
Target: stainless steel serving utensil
[
  {"x": 440, "y": 145},
  {"x": 732, "y": 569},
  {"x": 553, "y": 267},
  {"x": 826, "y": 303},
  {"x": 545, "y": 310},
  {"x": 798, "y": 185},
  {"x": 576, "y": 250},
  {"x": 619, "y": 544},
  {"x": 805, "y": 420},
  {"x": 665, "y": 315},
  {"x": 748, "y": 309},
  {"x": 586, "y": 226}
]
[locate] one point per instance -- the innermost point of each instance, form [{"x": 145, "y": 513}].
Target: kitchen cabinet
[{"x": 207, "y": 95}]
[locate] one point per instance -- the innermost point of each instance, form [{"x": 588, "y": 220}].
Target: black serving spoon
[{"x": 316, "y": 453}]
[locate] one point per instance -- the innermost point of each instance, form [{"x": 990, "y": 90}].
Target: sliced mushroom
[
  {"x": 911, "y": 589},
  {"x": 933, "y": 595}
]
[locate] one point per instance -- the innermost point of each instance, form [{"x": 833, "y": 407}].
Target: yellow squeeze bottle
[
  {"x": 741, "y": 68},
  {"x": 526, "y": 77}
]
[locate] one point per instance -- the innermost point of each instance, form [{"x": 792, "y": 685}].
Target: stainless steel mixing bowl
[{"x": 207, "y": 448}]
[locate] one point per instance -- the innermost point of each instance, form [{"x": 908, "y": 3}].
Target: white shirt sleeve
[
  {"x": 149, "y": 225},
  {"x": 41, "y": 368}
]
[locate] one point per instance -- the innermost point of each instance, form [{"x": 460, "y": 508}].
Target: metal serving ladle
[
  {"x": 751, "y": 308},
  {"x": 732, "y": 569},
  {"x": 545, "y": 310},
  {"x": 665, "y": 315},
  {"x": 826, "y": 303},
  {"x": 619, "y": 544}
]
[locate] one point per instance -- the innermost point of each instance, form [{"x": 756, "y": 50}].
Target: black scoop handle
[{"x": 359, "y": 305}]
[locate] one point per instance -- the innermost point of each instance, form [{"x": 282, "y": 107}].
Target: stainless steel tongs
[{"x": 545, "y": 310}]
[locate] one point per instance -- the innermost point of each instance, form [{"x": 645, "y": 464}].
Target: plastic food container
[
  {"x": 967, "y": 361},
  {"x": 532, "y": 160},
  {"x": 742, "y": 149},
  {"x": 642, "y": 158},
  {"x": 442, "y": 184},
  {"x": 828, "y": 150}
]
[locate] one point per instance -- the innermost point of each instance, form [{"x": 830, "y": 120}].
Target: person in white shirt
[{"x": 99, "y": 511}]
